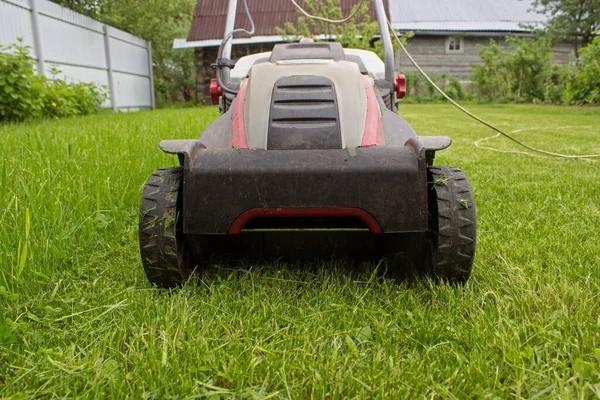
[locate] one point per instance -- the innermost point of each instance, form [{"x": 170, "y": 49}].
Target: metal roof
[
  {"x": 406, "y": 15},
  {"x": 463, "y": 15}
]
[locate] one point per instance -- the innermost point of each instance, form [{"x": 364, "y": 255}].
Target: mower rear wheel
[
  {"x": 452, "y": 225},
  {"x": 166, "y": 258}
]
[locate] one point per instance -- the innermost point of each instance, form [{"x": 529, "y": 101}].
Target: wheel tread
[
  {"x": 159, "y": 244},
  {"x": 453, "y": 248}
]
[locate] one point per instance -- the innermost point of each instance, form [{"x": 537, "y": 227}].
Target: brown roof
[{"x": 210, "y": 15}]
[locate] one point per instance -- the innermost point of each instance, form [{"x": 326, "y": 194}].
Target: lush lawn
[{"x": 80, "y": 320}]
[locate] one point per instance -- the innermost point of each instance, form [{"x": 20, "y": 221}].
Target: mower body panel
[
  {"x": 278, "y": 84},
  {"x": 388, "y": 183},
  {"x": 309, "y": 130}
]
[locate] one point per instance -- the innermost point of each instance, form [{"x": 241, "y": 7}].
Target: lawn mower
[{"x": 308, "y": 159}]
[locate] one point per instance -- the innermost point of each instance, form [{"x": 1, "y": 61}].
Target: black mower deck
[{"x": 387, "y": 183}]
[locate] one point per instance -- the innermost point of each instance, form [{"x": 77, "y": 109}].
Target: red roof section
[{"x": 210, "y": 16}]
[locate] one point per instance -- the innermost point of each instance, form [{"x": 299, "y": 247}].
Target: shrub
[
  {"x": 522, "y": 71},
  {"x": 65, "y": 99},
  {"x": 490, "y": 76},
  {"x": 441, "y": 81},
  {"x": 420, "y": 91},
  {"x": 20, "y": 88},
  {"x": 584, "y": 82},
  {"x": 415, "y": 83},
  {"x": 556, "y": 87},
  {"x": 455, "y": 90},
  {"x": 25, "y": 95}
]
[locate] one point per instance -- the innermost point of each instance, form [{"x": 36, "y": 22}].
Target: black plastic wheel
[
  {"x": 452, "y": 225},
  {"x": 167, "y": 260}
]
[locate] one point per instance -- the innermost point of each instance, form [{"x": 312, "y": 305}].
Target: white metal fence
[{"x": 83, "y": 49}]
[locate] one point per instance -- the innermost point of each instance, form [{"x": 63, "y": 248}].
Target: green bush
[
  {"x": 490, "y": 76},
  {"x": 521, "y": 72},
  {"x": 20, "y": 88},
  {"x": 525, "y": 72},
  {"x": 455, "y": 90},
  {"x": 529, "y": 64},
  {"x": 415, "y": 84},
  {"x": 25, "y": 95},
  {"x": 556, "y": 87},
  {"x": 418, "y": 90},
  {"x": 65, "y": 99},
  {"x": 584, "y": 82}
]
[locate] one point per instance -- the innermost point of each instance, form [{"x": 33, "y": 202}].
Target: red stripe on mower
[
  {"x": 238, "y": 128},
  {"x": 373, "y": 134},
  {"x": 255, "y": 213}
]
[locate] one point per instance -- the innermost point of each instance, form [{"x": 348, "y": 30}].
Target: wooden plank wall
[{"x": 430, "y": 53}]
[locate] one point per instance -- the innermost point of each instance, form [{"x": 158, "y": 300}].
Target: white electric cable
[
  {"x": 478, "y": 143},
  {"x": 331, "y": 21},
  {"x": 436, "y": 87},
  {"x": 475, "y": 117}
]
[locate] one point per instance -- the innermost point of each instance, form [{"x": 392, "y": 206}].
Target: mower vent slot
[
  {"x": 304, "y": 223},
  {"x": 321, "y": 90},
  {"x": 309, "y": 102},
  {"x": 303, "y": 120},
  {"x": 303, "y": 95},
  {"x": 304, "y": 114}
]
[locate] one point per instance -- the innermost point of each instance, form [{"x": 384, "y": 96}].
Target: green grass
[{"x": 79, "y": 319}]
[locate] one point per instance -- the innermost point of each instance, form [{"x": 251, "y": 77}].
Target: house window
[{"x": 454, "y": 45}]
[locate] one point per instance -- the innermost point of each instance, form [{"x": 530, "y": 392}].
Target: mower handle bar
[{"x": 388, "y": 50}]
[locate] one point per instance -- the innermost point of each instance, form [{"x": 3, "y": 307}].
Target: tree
[
  {"x": 159, "y": 21},
  {"x": 86, "y": 7},
  {"x": 576, "y": 20}
]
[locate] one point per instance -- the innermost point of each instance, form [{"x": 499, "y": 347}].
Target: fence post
[
  {"x": 37, "y": 39},
  {"x": 111, "y": 82},
  {"x": 151, "y": 76}
]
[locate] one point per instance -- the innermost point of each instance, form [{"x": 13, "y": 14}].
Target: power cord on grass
[
  {"x": 478, "y": 143},
  {"x": 478, "y": 119},
  {"x": 454, "y": 103}
]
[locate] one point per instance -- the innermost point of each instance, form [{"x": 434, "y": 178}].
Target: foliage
[
  {"x": 158, "y": 21},
  {"x": 529, "y": 64},
  {"x": 556, "y": 91},
  {"x": 20, "y": 88},
  {"x": 79, "y": 319},
  {"x": 418, "y": 90},
  {"x": 357, "y": 33},
  {"x": 521, "y": 71},
  {"x": 571, "y": 19},
  {"x": 454, "y": 89},
  {"x": 584, "y": 83},
  {"x": 524, "y": 71},
  {"x": 490, "y": 76},
  {"x": 67, "y": 99},
  {"x": 415, "y": 83},
  {"x": 179, "y": 80},
  {"x": 25, "y": 95}
]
